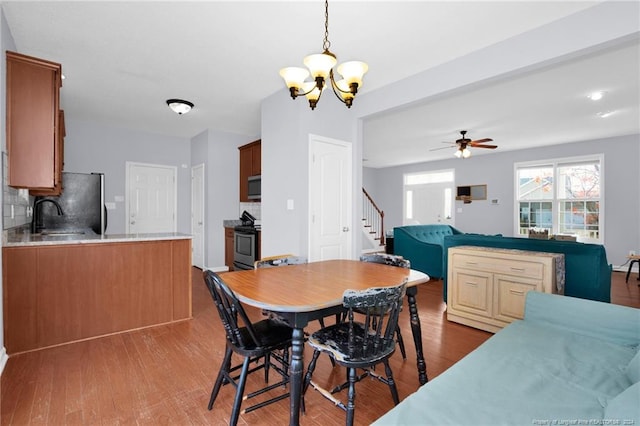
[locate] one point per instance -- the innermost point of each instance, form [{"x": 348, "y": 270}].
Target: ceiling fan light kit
[
  {"x": 320, "y": 67},
  {"x": 464, "y": 143}
]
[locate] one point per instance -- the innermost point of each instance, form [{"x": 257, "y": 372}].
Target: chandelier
[{"x": 320, "y": 66}]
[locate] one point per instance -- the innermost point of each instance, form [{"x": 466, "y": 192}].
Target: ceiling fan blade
[
  {"x": 484, "y": 146},
  {"x": 444, "y": 147},
  {"x": 481, "y": 140}
]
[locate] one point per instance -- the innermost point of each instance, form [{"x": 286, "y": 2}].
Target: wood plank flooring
[{"x": 164, "y": 374}]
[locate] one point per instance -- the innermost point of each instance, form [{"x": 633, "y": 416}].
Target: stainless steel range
[{"x": 245, "y": 243}]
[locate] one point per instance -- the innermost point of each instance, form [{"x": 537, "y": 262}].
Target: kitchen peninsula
[{"x": 65, "y": 287}]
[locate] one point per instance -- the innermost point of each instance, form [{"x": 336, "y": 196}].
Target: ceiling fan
[{"x": 464, "y": 143}]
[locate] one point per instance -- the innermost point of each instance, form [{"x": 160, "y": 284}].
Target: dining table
[{"x": 302, "y": 293}]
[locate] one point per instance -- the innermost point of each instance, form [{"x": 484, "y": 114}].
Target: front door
[
  {"x": 151, "y": 198},
  {"x": 330, "y": 199}
]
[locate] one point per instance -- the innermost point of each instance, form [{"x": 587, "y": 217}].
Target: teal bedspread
[{"x": 567, "y": 362}]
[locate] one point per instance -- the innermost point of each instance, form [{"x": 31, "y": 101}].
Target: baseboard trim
[
  {"x": 3, "y": 359},
  {"x": 218, "y": 269}
]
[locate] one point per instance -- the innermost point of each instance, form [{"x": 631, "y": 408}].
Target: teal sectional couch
[
  {"x": 587, "y": 273},
  {"x": 423, "y": 246},
  {"x": 569, "y": 361}
]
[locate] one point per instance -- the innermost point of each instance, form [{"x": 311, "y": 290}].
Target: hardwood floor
[{"x": 163, "y": 375}]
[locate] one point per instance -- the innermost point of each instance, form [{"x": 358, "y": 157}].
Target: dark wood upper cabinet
[
  {"x": 34, "y": 128},
  {"x": 250, "y": 165}
]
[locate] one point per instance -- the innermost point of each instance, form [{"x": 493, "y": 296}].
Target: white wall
[
  {"x": 95, "y": 147},
  {"x": 286, "y": 125},
  {"x": 219, "y": 153},
  {"x": 621, "y": 181},
  {"x": 6, "y": 43}
]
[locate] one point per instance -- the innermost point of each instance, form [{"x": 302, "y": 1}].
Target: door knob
[
  {"x": 133, "y": 222},
  {"x": 345, "y": 229}
]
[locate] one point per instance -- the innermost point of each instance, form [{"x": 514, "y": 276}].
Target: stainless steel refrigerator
[{"x": 81, "y": 204}]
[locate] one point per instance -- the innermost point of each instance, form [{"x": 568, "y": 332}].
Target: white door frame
[
  {"x": 348, "y": 202},
  {"x": 198, "y": 192},
  {"x": 129, "y": 165}
]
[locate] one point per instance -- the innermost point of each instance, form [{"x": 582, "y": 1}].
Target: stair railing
[{"x": 372, "y": 217}]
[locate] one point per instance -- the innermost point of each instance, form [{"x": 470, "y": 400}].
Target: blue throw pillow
[
  {"x": 633, "y": 369},
  {"x": 624, "y": 407}
]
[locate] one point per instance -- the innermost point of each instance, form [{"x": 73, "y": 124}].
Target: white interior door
[
  {"x": 151, "y": 198},
  {"x": 197, "y": 215},
  {"x": 330, "y": 199}
]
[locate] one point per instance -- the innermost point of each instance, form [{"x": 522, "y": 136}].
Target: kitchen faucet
[{"x": 36, "y": 220}]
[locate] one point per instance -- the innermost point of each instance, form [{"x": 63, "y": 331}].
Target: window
[
  {"x": 562, "y": 196},
  {"x": 428, "y": 197}
]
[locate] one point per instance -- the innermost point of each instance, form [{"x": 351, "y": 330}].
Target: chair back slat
[
  {"x": 280, "y": 261},
  {"x": 381, "y": 307},
  {"x": 237, "y": 325},
  {"x": 387, "y": 259}
]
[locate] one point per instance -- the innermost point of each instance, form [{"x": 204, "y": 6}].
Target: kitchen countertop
[{"x": 18, "y": 238}]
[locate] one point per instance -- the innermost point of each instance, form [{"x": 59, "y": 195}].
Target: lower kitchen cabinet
[
  {"x": 228, "y": 248},
  {"x": 487, "y": 287},
  {"x": 63, "y": 293}
]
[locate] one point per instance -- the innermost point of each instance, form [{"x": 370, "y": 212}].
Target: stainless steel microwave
[{"x": 254, "y": 186}]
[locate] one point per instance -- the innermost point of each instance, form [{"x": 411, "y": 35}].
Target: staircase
[{"x": 372, "y": 225}]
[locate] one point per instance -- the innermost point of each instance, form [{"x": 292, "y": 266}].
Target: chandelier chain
[{"x": 326, "y": 43}]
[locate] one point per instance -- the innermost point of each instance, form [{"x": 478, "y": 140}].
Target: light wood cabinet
[
  {"x": 63, "y": 293},
  {"x": 34, "y": 132},
  {"x": 250, "y": 165},
  {"x": 487, "y": 287}
]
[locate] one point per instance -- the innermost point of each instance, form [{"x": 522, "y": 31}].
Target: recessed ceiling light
[
  {"x": 596, "y": 96},
  {"x": 605, "y": 114}
]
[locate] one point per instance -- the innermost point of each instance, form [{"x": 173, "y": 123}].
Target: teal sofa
[
  {"x": 569, "y": 361},
  {"x": 587, "y": 273},
  {"x": 423, "y": 246}
]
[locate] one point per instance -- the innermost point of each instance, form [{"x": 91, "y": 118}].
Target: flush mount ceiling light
[
  {"x": 320, "y": 67},
  {"x": 179, "y": 106}
]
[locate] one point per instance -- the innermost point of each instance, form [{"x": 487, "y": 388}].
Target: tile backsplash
[
  {"x": 252, "y": 208},
  {"x": 15, "y": 202}
]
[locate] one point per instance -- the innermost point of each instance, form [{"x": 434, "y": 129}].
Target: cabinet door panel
[
  {"x": 228, "y": 248},
  {"x": 472, "y": 293},
  {"x": 113, "y": 280},
  {"x": 19, "y": 298},
  {"x": 510, "y": 295},
  {"x": 32, "y": 121}
]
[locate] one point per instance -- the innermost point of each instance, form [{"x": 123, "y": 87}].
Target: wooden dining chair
[
  {"x": 266, "y": 343},
  {"x": 360, "y": 345},
  {"x": 393, "y": 260}
]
